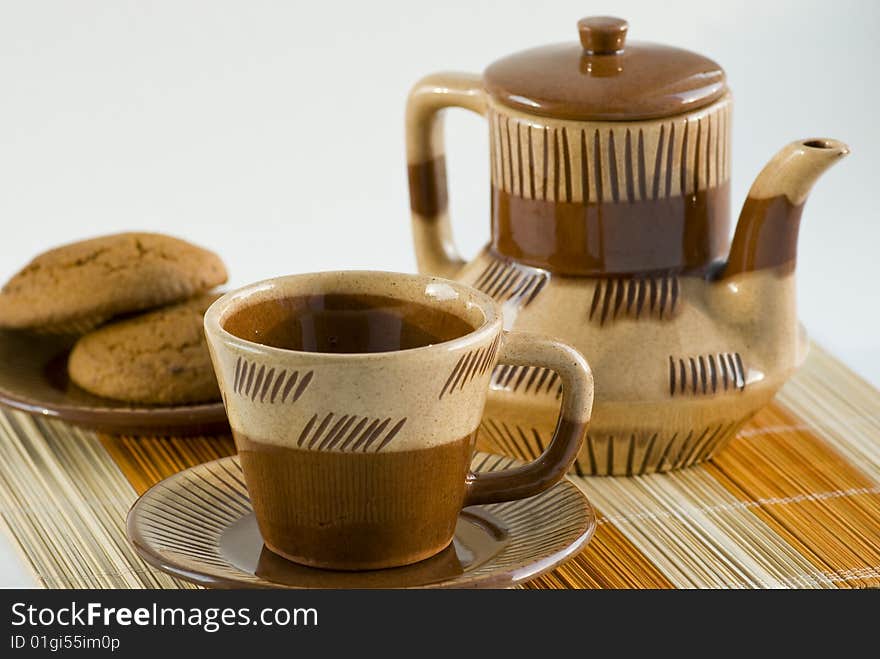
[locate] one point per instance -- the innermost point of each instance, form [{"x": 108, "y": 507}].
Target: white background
[{"x": 272, "y": 132}]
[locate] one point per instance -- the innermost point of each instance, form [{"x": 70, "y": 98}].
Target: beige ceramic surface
[
  {"x": 358, "y": 460},
  {"x": 495, "y": 546},
  {"x": 666, "y": 397},
  {"x": 431, "y": 395},
  {"x": 312, "y": 384},
  {"x": 613, "y": 236}
]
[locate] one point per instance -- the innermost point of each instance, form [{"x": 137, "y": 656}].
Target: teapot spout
[{"x": 767, "y": 230}]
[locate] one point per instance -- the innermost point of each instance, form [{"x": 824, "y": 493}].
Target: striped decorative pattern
[
  {"x": 264, "y": 384},
  {"x": 610, "y": 162},
  {"x": 212, "y": 497},
  {"x": 469, "y": 366},
  {"x": 635, "y": 297},
  {"x": 349, "y": 432},
  {"x": 689, "y": 448},
  {"x": 535, "y": 380},
  {"x": 706, "y": 374},
  {"x": 792, "y": 501},
  {"x": 511, "y": 283},
  {"x": 511, "y": 439},
  {"x": 641, "y": 452}
]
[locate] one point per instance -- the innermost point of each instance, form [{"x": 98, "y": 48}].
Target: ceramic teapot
[{"x": 610, "y": 179}]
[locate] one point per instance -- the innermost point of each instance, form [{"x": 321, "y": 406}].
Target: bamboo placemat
[{"x": 793, "y": 501}]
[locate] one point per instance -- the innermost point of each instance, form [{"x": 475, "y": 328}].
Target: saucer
[
  {"x": 34, "y": 379},
  {"x": 199, "y": 525}
]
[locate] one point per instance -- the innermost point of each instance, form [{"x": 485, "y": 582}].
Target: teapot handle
[{"x": 432, "y": 232}]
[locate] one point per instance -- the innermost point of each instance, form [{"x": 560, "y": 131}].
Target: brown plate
[
  {"x": 199, "y": 525},
  {"x": 33, "y": 378}
]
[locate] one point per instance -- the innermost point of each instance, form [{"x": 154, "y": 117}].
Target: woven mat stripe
[
  {"x": 64, "y": 502},
  {"x": 147, "y": 460},
  {"x": 841, "y": 408},
  {"x": 690, "y": 527},
  {"x": 820, "y": 503},
  {"x": 610, "y": 560},
  {"x": 58, "y": 526}
]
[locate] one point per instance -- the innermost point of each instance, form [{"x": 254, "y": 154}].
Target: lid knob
[{"x": 602, "y": 35}]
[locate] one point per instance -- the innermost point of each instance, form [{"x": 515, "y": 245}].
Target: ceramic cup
[{"x": 355, "y": 398}]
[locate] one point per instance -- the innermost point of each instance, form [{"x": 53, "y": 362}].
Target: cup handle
[{"x": 524, "y": 349}]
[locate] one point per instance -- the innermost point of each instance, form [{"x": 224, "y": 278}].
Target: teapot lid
[{"x": 605, "y": 78}]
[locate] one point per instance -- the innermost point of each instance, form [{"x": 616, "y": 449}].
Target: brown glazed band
[
  {"x": 427, "y": 187},
  {"x": 678, "y": 233},
  {"x": 766, "y": 236}
]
